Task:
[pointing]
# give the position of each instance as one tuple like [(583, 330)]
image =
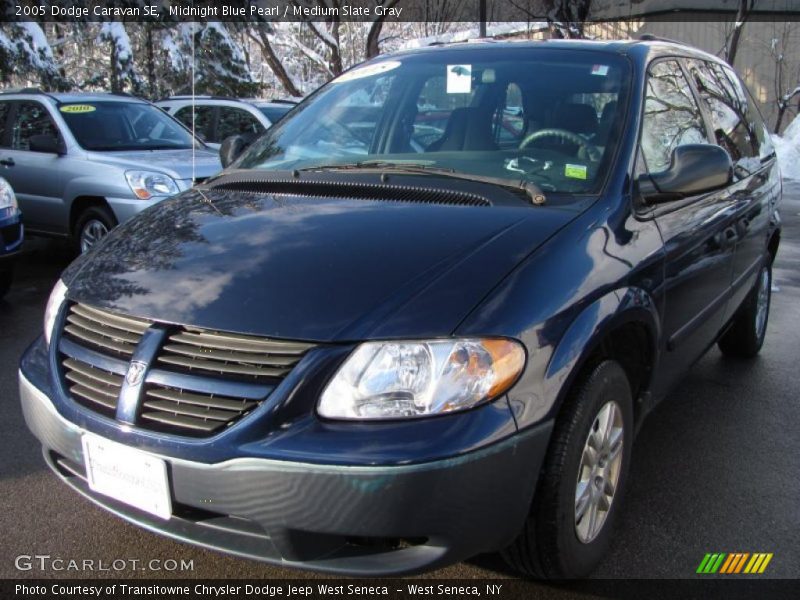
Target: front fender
[(583, 335), (108, 184)]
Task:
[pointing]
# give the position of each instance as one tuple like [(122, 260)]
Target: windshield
[(551, 117), (104, 126)]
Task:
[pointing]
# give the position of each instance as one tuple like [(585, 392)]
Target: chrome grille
[(93, 387), (103, 330), (231, 354), (200, 381), (203, 413)]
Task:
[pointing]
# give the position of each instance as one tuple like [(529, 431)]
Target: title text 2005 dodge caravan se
[(423, 316)]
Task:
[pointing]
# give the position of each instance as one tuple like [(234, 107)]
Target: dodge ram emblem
[(135, 372)]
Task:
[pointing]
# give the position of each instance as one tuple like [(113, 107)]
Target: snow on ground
[(788, 148)]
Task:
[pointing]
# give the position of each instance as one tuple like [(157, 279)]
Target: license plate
[(128, 475)]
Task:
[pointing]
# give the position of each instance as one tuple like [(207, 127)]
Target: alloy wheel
[(598, 472), (93, 231)]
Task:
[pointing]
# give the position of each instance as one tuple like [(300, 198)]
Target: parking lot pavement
[(715, 468)]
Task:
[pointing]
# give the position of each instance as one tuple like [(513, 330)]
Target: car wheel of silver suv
[(92, 226)]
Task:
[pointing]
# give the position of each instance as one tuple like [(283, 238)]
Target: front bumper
[(361, 520)]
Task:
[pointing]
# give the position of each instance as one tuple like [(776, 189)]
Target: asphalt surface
[(715, 469)]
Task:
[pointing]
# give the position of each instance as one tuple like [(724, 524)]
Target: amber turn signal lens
[(508, 360)]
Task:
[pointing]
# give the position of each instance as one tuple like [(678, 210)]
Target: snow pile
[(787, 147)]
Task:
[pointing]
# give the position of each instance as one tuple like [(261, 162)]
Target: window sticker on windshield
[(601, 70), (575, 171), (459, 79), (77, 108), (368, 71)]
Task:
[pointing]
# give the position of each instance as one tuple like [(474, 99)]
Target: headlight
[(7, 197), (54, 302), (146, 184), (395, 380)]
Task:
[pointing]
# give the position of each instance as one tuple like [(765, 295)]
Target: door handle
[(722, 239), (7, 162)]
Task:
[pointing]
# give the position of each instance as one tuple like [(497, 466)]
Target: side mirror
[(46, 143), (693, 169), (232, 148)]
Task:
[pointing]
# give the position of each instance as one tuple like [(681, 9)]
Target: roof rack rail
[(649, 37), (30, 90)]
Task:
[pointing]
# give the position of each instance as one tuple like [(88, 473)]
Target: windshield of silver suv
[(544, 116), (109, 126)]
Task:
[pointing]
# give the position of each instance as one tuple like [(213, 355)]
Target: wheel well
[(80, 204), (772, 245), (629, 344)]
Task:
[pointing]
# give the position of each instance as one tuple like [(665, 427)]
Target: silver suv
[(82, 163)]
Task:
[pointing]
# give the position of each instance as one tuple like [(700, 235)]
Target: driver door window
[(726, 109), (671, 116), (32, 119)]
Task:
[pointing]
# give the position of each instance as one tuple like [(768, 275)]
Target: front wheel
[(568, 530), (746, 334), (93, 225)]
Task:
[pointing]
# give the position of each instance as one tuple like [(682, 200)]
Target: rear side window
[(203, 120), (671, 115), (235, 121), (5, 108), (32, 119), (726, 103), (753, 115)]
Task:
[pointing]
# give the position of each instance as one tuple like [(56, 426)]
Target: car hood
[(175, 163), (311, 268)]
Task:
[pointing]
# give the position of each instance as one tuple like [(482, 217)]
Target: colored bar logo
[(733, 563)]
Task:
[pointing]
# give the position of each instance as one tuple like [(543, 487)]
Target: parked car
[(82, 163), (350, 355), (10, 235), (218, 117)]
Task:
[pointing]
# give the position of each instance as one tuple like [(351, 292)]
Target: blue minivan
[(423, 316)]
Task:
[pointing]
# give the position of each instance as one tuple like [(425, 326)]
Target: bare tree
[(373, 37), (565, 18), (259, 34), (732, 40), (787, 83)]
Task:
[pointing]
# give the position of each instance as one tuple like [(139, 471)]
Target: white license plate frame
[(127, 475)]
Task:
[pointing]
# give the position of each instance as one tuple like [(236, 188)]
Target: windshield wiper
[(533, 191)]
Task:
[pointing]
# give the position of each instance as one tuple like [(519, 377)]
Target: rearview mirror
[(46, 143), (232, 148), (693, 169)]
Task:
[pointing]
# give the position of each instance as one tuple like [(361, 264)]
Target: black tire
[(6, 278), (746, 334), (549, 546), (88, 219)]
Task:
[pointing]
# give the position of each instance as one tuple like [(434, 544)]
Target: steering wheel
[(591, 152)]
